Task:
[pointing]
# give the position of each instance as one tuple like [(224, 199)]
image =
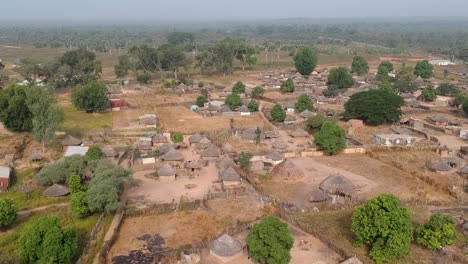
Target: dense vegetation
[(438, 232), (330, 138)]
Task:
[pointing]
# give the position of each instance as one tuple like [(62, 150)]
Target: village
[(112, 159)]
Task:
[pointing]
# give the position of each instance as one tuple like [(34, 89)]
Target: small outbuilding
[(195, 138), (159, 139), (166, 172), (226, 249), (299, 133), (287, 169), (280, 145), (173, 155), (5, 173), (145, 143), (71, 141), (337, 185), (318, 196), (56, 190), (36, 156), (164, 148), (229, 177)]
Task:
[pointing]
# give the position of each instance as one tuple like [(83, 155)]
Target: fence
[(108, 243), (92, 237)]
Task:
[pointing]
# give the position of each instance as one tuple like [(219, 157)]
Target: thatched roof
[(145, 143), (228, 148), (56, 190), (204, 141), (192, 164), (224, 162), (35, 156), (71, 141), (159, 138), (279, 144), (164, 148), (463, 171), (306, 114), (109, 151), (337, 185), (299, 133), (287, 168), (441, 166), (196, 138), (173, 155), (453, 161), (318, 196), (225, 246), (210, 153), (352, 260), (272, 134), (275, 156), (166, 170), (243, 109), (230, 174)]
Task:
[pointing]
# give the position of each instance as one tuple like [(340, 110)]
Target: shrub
[(438, 232), (238, 88), (8, 212), (340, 77), (429, 94), (200, 84), (253, 106), (74, 184), (314, 123), (201, 101), (94, 153), (277, 114), (331, 138), (244, 160), (233, 101), (257, 91), (177, 138), (359, 65), (143, 78), (305, 60), (79, 204), (423, 69), (287, 86), (90, 97), (304, 103), (447, 89)]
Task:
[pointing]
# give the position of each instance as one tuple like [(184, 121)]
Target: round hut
[(337, 185), (230, 177), (159, 139), (56, 190), (173, 156), (441, 166), (224, 162), (319, 196), (166, 172), (299, 133), (193, 165), (212, 152), (280, 145), (36, 156), (109, 151), (195, 138), (226, 249), (71, 141), (164, 148), (275, 157), (287, 169)]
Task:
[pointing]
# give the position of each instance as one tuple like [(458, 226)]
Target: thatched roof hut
[(56, 190), (196, 138), (173, 155), (288, 169), (228, 148), (306, 114), (71, 141), (193, 164), (225, 246), (159, 139), (212, 152), (352, 260), (109, 151), (36, 156), (318, 196), (164, 148), (279, 144), (224, 162), (441, 166), (166, 170), (299, 133), (337, 185), (275, 156), (145, 143), (230, 174), (272, 134), (463, 171)]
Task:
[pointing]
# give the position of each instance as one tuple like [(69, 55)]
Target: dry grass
[(181, 120)]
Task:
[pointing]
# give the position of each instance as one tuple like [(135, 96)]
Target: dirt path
[(24, 213)]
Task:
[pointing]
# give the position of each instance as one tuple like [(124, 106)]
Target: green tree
[(314, 123), (122, 68), (447, 89), (384, 226), (332, 91), (185, 40), (8, 212), (423, 69), (75, 185), (374, 107), (438, 232), (305, 60), (60, 171), (404, 81), (233, 101), (177, 138), (79, 66), (245, 53), (3, 77), (238, 88), (90, 97), (277, 114), (143, 78), (204, 92), (331, 138), (429, 94), (287, 86), (359, 65), (94, 153), (79, 204), (244, 160), (387, 65), (459, 99), (253, 106), (257, 92), (47, 241), (201, 101), (144, 58), (172, 58), (47, 115), (340, 77), (14, 110), (270, 241), (231, 123), (304, 103), (387, 86)]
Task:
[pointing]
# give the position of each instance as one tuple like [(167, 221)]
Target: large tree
[(47, 115), (438, 232), (424, 69), (429, 94), (340, 77), (270, 241), (79, 66), (385, 226), (277, 113), (288, 86), (447, 89), (304, 103), (79, 204), (314, 123), (245, 53), (144, 58), (238, 88), (359, 66), (257, 92), (14, 110), (374, 107), (90, 97), (3, 76), (8, 212), (385, 67), (233, 101), (331, 138), (122, 68), (47, 241), (172, 58), (404, 81), (305, 60)]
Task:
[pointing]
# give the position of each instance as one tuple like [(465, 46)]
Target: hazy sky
[(180, 10)]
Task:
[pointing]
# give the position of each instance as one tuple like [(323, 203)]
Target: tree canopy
[(374, 107), (277, 114), (79, 204), (423, 69), (201, 101), (438, 232), (14, 110), (253, 106), (404, 81), (60, 171), (270, 241), (172, 58), (384, 226), (94, 153), (257, 91), (429, 94), (288, 86), (447, 89), (79, 66), (8, 212), (304, 103), (340, 77), (359, 66), (305, 60), (238, 88), (233, 101), (314, 123), (331, 138), (90, 97)]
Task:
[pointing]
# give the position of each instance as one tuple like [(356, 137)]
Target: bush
[(8, 212), (74, 184), (253, 106), (277, 114), (304, 103), (305, 60), (48, 242), (331, 138), (201, 101), (340, 77), (314, 123), (374, 107), (287, 86), (177, 138), (244, 160), (238, 88), (90, 97), (200, 84), (438, 232), (332, 91), (465, 106), (429, 94), (270, 241), (383, 225), (14, 112), (233, 101), (257, 92), (423, 69), (79, 204), (59, 172), (94, 153), (143, 78), (359, 65), (447, 89)]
